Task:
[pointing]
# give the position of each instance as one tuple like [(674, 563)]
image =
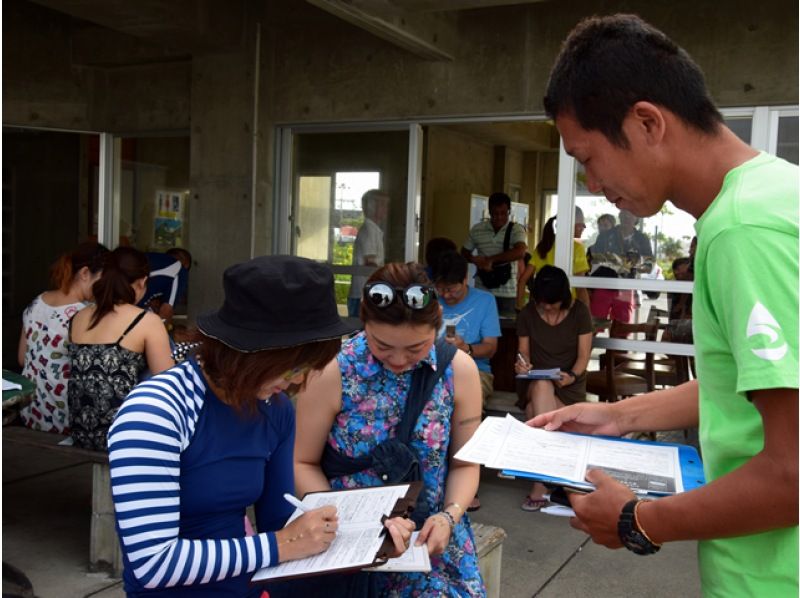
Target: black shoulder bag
[(500, 273), (394, 460)]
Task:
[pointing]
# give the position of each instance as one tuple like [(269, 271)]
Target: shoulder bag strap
[(422, 382), (507, 239)]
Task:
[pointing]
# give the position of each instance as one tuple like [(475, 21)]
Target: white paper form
[(537, 451), (509, 444), (485, 442), (640, 466), (416, 559), (358, 538)]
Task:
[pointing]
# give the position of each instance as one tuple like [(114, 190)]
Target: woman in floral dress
[(358, 402), (42, 351)]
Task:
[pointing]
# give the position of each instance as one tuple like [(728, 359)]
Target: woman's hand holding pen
[(309, 534), (400, 530), (521, 365)]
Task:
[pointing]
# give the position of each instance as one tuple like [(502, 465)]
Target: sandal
[(533, 504), (474, 505)]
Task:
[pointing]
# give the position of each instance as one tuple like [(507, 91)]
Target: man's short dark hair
[(370, 197), (607, 64), (499, 199), (551, 285), (450, 268)]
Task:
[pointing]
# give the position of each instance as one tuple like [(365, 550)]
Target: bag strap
[(507, 239), (423, 380)]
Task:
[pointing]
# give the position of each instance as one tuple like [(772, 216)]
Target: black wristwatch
[(632, 536), (469, 349), (573, 374)]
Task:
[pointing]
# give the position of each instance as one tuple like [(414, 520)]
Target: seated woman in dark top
[(554, 332), (111, 344)]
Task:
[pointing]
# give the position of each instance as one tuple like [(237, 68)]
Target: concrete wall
[(456, 166), (323, 70)]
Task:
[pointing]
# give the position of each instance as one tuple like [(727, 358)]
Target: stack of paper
[(563, 459)]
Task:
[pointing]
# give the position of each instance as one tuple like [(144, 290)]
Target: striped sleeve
[(154, 425)]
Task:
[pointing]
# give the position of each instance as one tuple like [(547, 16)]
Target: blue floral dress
[(373, 400)]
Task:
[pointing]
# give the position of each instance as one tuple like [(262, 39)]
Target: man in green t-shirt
[(633, 108)]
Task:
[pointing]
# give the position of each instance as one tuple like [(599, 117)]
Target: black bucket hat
[(273, 302)]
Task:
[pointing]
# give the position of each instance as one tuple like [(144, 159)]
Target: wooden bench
[(104, 550), (489, 545)]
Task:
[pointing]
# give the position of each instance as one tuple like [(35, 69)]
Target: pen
[(521, 358), (295, 503)]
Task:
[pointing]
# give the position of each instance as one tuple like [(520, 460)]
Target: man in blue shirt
[(167, 283), (469, 315)]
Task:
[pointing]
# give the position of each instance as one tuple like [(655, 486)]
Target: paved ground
[(47, 505)]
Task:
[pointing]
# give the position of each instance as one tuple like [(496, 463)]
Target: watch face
[(637, 543), (633, 539)]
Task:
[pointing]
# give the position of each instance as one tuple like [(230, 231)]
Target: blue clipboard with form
[(691, 469)]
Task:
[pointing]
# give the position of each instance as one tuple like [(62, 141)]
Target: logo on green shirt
[(760, 323)]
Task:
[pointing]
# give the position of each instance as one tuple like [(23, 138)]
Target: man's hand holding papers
[(583, 418)]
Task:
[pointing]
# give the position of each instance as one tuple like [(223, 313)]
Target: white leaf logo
[(762, 322)]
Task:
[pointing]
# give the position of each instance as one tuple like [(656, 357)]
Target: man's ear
[(648, 121)]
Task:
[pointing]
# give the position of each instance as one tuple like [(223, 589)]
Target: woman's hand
[(400, 529), (565, 379), (309, 534), (435, 533), (521, 368)]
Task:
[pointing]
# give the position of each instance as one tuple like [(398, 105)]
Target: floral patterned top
[(373, 400), (47, 364), (102, 376)]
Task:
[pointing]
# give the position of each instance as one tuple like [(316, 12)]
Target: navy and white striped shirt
[(184, 468)]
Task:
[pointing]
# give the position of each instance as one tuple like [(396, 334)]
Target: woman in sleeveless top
[(42, 349), (358, 402), (111, 344)]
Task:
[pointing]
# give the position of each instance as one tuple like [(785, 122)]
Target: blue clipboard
[(692, 474)]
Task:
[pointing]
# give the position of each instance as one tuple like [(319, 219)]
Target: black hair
[(551, 285), (499, 199), (401, 275), (370, 197), (88, 254), (548, 239), (123, 267), (437, 246), (607, 64), (450, 268)]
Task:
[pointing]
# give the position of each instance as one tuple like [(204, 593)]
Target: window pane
[(787, 138), (741, 126)]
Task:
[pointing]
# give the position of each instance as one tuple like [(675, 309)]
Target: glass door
[(338, 184)]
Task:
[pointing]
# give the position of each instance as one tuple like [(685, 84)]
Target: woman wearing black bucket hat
[(193, 447), (354, 427)]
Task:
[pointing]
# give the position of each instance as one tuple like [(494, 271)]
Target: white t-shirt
[(369, 241)]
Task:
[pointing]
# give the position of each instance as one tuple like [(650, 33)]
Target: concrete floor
[(47, 504)]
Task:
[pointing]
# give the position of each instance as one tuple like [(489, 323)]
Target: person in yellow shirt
[(545, 254)]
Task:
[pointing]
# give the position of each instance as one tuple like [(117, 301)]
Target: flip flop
[(533, 504), (475, 504)]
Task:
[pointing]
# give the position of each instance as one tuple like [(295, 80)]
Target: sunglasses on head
[(414, 296)]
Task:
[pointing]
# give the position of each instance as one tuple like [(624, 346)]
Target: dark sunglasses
[(415, 296)]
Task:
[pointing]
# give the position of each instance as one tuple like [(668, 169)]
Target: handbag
[(500, 273), (394, 460)]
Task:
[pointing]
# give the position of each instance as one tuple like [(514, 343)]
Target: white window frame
[(764, 137)]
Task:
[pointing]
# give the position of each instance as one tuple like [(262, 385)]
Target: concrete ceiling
[(523, 136)]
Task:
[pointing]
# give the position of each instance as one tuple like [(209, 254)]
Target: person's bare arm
[(760, 495), (317, 407), (581, 362), (462, 479), (157, 351), (670, 409), (582, 295), (485, 349)]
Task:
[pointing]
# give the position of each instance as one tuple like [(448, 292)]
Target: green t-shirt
[(746, 338)]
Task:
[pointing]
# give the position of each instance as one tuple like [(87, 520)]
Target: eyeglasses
[(415, 296), (289, 374)]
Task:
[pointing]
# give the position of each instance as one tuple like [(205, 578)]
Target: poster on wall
[(169, 218)]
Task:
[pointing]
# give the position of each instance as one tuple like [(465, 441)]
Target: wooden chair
[(668, 370), (613, 382)]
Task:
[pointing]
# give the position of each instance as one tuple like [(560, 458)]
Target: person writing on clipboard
[(632, 107), (554, 332)]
